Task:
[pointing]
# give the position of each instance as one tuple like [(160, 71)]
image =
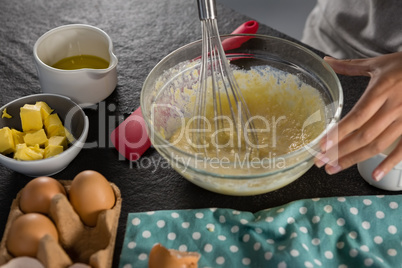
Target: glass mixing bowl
[(164, 104)]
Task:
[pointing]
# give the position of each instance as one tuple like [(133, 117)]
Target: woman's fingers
[(363, 134), (355, 67), (353, 128), (375, 121), (378, 145), (392, 160), (362, 111)]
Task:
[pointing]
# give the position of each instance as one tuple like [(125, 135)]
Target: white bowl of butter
[(287, 86), (55, 147)]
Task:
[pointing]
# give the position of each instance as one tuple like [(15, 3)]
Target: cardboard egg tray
[(78, 243)]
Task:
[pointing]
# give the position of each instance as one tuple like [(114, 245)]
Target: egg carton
[(78, 243)]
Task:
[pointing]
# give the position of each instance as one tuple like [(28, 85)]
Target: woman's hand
[(374, 123)]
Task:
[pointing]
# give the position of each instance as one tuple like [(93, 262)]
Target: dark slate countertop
[(143, 32)]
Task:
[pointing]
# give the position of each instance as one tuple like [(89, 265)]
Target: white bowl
[(84, 86), (392, 181), (74, 120)]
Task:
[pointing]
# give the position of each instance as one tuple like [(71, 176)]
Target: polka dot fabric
[(363, 231)]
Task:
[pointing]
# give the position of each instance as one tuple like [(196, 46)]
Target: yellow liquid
[(284, 109), (80, 62)]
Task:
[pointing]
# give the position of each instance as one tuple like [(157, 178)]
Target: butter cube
[(52, 150), (20, 151), (35, 138), (6, 141), (45, 109), (69, 136), (37, 149), (18, 136), (5, 114), (31, 117), (57, 141), (54, 126), (25, 153)]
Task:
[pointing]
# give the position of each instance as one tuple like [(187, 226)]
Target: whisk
[(217, 87)]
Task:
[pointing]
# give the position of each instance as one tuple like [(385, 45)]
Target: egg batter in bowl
[(293, 96), (281, 109)]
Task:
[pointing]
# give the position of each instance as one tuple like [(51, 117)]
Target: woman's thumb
[(355, 67)]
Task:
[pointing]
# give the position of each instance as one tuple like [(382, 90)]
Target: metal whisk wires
[(233, 129)]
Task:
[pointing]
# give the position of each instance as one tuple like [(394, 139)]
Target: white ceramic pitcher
[(84, 86)]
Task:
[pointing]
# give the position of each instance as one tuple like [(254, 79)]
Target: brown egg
[(37, 194), (161, 257), (25, 233), (90, 194)]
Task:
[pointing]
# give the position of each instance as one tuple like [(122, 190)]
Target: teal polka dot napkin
[(358, 231)]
